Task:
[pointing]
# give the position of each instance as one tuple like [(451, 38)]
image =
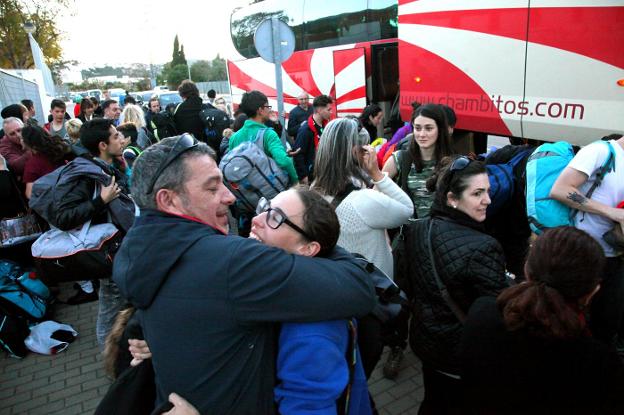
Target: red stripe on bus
[(566, 28)]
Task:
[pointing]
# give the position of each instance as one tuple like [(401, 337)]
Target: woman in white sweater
[(367, 203), (345, 168)]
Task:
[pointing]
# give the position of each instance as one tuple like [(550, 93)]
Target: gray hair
[(173, 177), (9, 120), (336, 164)]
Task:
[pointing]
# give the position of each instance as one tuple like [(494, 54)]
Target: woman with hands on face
[(367, 203)]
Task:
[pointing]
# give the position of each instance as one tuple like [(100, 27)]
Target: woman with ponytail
[(530, 351)]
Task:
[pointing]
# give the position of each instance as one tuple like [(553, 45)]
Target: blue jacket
[(209, 302), (313, 371)]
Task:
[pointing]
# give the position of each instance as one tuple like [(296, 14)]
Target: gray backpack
[(250, 173)]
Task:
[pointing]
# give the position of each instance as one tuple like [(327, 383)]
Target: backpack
[(42, 196), (163, 126), (543, 168), (250, 173), (215, 121), (20, 294), (503, 181)]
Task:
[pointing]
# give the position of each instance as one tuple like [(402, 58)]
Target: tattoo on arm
[(577, 198)]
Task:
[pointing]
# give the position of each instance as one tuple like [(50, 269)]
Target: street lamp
[(29, 27)]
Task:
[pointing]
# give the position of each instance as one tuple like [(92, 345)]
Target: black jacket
[(187, 119), (515, 373), (209, 307), (304, 160), (74, 203), (296, 117), (469, 262)]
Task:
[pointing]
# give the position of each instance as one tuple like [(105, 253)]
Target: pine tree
[(181, 56), (176, 52)]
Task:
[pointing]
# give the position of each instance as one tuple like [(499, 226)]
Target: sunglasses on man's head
[(276, 217), (184, 143)]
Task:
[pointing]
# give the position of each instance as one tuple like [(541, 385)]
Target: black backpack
[(163, 125), (215, 121)]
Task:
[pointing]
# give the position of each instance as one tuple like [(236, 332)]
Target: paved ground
[(73, 381)]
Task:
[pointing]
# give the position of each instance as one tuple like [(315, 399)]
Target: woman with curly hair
[(48, 153)]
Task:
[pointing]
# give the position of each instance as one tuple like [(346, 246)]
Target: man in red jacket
[(11, 146)]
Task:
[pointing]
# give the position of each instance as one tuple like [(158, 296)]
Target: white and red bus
[(539, 69)]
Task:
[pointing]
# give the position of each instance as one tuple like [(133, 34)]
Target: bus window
[(382, 19), (334, 23), (244, 22)]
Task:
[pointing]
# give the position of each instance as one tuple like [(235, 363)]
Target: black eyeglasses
[(460, 163), (184, 143), (267, 106), (275, 217)]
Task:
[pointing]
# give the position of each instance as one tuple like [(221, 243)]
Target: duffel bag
[(80, 254)]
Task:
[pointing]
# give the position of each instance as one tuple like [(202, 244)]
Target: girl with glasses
[(312, 368)]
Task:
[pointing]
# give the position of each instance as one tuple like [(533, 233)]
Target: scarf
[(312, 126)]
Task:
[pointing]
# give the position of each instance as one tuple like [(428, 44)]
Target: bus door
[(349, 81)]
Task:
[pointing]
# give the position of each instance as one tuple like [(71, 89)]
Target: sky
[(142, 31)]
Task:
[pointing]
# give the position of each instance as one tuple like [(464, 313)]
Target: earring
[(454, 206)]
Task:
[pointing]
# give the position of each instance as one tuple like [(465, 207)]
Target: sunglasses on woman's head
[(460, 163)]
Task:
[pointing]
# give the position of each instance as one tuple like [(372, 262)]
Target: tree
[(182, 58), (178, 57), (14, 46), (176, 75), (218, 71), (138, 70), (201, 71)]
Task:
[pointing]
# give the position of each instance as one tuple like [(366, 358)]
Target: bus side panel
[(349, 81), (472, 60), (573, 65), (311, 71)]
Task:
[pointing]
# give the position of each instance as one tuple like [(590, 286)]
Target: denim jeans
[(110, 304)]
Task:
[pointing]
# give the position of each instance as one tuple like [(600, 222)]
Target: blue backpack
[(503, 182), (20, 295), (542, 170)]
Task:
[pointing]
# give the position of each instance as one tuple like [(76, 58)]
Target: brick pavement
[(73, 382)]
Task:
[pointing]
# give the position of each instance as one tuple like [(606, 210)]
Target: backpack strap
[(343, 195), (461, 316), (342, 403), (403, 162), (259, 140), (607, 167)]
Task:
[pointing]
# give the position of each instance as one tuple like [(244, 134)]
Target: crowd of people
[(281, 317)]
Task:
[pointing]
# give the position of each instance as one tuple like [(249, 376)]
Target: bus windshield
[(318, 25)]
